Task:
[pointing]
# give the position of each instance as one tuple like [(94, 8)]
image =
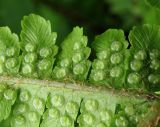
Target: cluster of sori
[(72, 61), (144, 62), (62, 109), (36, 55), (96, 112), (136, 65), (7, 99), (9, 52), (29, 107), (37, 106), (110, 66), (154, 77)]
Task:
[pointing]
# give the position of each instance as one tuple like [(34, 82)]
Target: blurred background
[(95, 16)]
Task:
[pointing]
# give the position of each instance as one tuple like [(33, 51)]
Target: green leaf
[(8, 40), (37, 30), (74, 52), (37, 38), (109, 68), (144, 61), (154, 3), (9, 52)]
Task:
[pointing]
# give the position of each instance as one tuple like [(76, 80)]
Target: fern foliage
[(44, 85)]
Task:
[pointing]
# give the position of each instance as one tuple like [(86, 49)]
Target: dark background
[(95, 16)]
